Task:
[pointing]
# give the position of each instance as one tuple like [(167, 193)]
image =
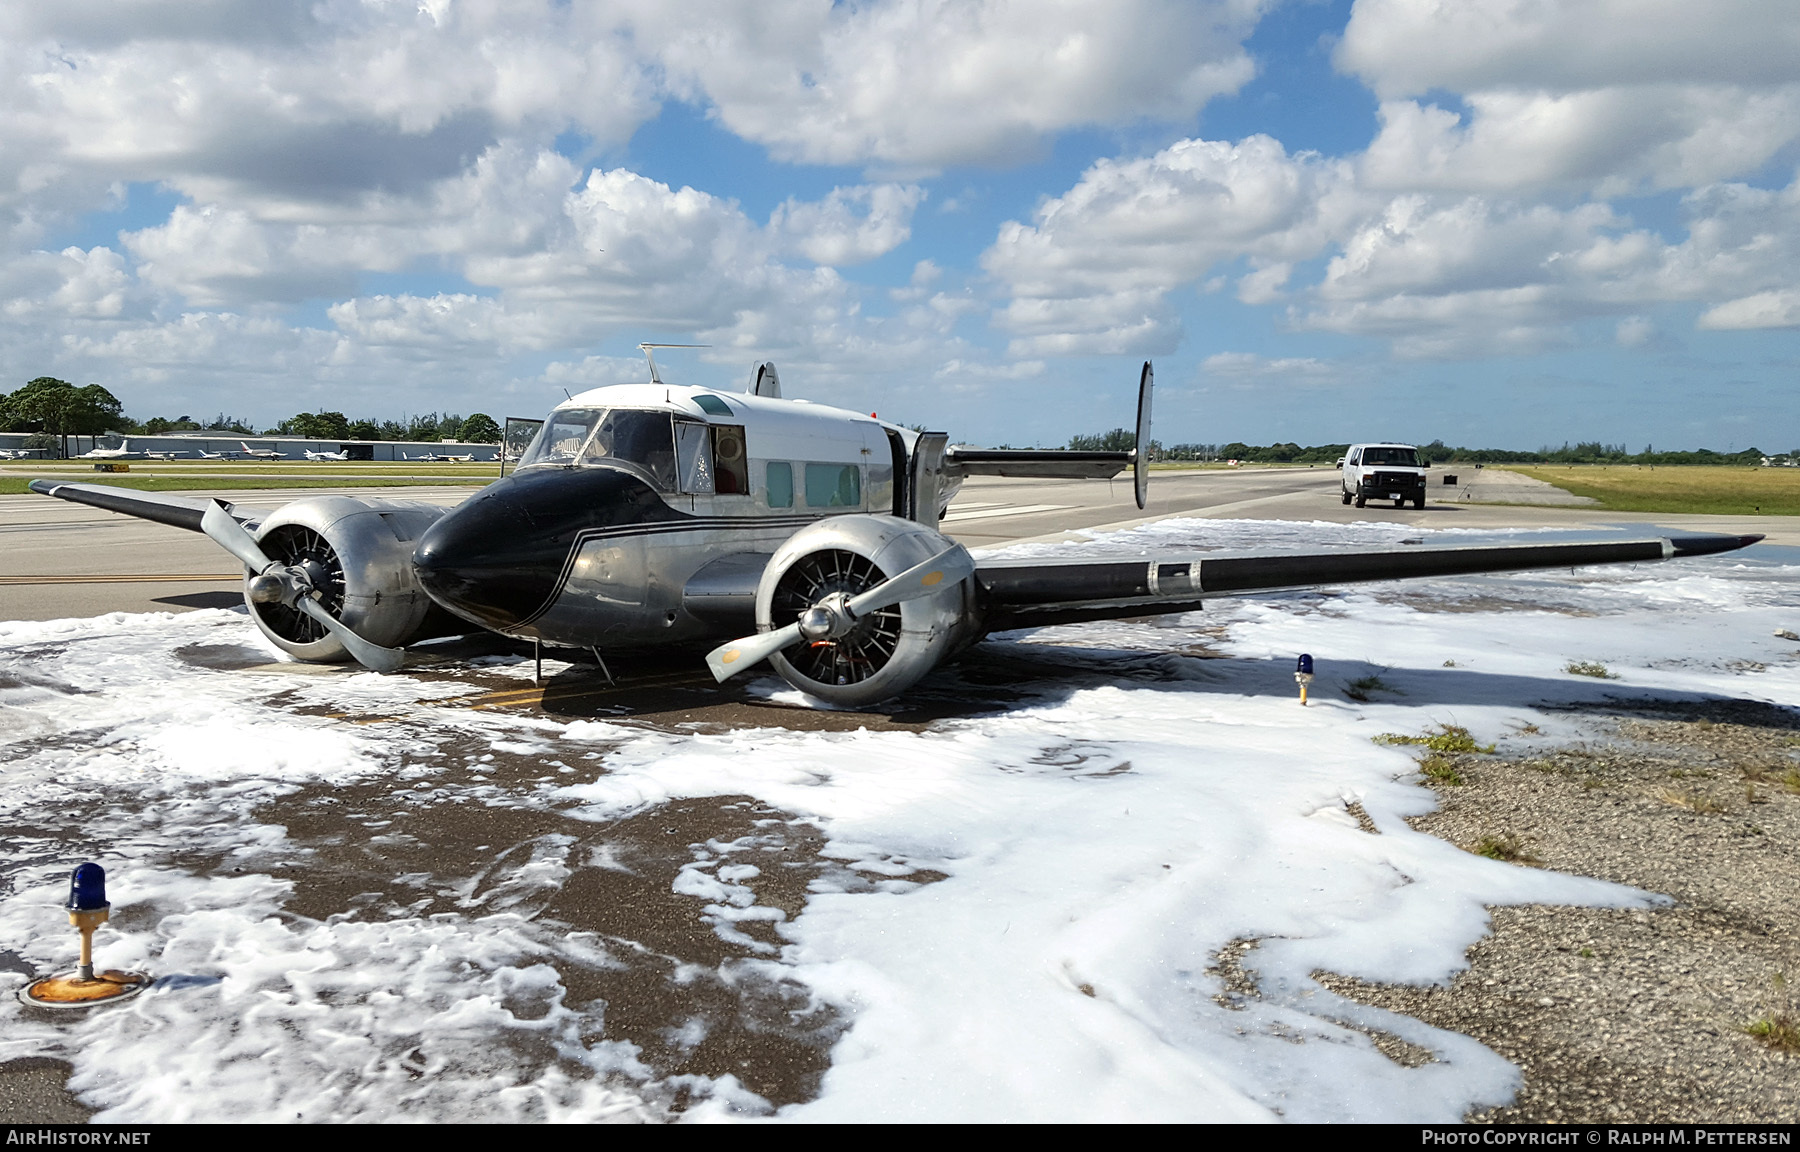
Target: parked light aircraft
[(650, 514), (338, 455), (170, 455), (123, 452), (261, 453)]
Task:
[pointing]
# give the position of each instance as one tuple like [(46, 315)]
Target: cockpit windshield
[(1393, 457), (578, 436)]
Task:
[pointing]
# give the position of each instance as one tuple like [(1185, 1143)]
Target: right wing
[(1035, 593)]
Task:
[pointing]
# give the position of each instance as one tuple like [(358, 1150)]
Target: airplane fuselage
[(643, 514)]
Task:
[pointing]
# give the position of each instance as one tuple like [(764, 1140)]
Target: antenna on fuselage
[(651, 356)]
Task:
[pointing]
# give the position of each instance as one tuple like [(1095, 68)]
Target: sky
[(1499, 222)]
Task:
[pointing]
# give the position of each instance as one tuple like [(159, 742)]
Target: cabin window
[(694, 448), (833, 486), (778, 481), (731, 469), (711, 405)]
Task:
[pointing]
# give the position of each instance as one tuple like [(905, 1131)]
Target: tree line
[(53, 410), (1587, 452)]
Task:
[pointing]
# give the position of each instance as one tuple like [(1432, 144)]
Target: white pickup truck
[(1384, 472)]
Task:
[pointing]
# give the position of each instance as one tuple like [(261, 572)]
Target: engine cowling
[(888, 650), (360, 558)]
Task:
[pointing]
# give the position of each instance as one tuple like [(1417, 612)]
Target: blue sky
[(1492, 222)]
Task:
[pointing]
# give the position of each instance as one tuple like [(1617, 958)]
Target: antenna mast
[(650, 355)]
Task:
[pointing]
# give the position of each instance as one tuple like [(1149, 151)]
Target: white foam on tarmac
[(1099, 844)]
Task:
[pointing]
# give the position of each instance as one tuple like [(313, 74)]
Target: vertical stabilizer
[(764, 381), (1140, 463)]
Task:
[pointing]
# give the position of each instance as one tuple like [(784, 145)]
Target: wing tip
[(1713, 544)]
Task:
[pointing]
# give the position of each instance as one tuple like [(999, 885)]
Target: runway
[(60, 560)]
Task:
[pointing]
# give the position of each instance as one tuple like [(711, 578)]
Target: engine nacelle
[(360, 558), (889, 650)]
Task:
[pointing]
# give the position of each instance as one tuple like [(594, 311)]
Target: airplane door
[(925, 483), (902, 478)]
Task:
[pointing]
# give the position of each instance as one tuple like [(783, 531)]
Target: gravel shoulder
[(1634, 1015)]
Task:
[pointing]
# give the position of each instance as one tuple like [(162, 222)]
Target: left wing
[(175, 511), (1034, 593)]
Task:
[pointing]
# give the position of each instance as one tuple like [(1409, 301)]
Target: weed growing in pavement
[(1359, 689), (1587, 953), (1505, 847), (1692, 801), (1791, 780), (1447, 738), (1439, 770), (1590, 668), (1779, 1031), (1778, 1027)]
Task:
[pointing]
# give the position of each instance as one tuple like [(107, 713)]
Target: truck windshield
[(1394, 457), (586, 436)]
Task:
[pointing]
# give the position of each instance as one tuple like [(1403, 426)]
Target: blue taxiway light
[(87, 889)]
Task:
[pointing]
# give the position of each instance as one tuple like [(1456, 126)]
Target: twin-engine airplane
[(645, 515)]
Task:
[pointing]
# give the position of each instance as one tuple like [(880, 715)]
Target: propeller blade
[(228, 534), (371, 656), (951, 566), (727, 660)]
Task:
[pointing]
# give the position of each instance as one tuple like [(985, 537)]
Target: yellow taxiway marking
[(123, 578)]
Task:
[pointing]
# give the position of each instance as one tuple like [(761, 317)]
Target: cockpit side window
[(643, 438), (560, 440)]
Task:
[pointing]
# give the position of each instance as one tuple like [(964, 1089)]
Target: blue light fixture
[(87, 889)]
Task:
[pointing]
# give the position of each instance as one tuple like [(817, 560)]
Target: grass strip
[(1699, 488)]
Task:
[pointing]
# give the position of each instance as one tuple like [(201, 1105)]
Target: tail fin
[(1140, 463), (765, 382)]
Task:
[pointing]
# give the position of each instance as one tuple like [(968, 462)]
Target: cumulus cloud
[(1780, 309), (920, 84), (1093, 270), (851, 225), (1611, 94), (1244, 369)]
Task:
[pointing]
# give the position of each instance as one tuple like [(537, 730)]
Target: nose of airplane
[(498, 558)]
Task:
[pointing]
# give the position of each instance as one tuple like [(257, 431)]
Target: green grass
[(1711, 489), (16, 485), (1590, 668)]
